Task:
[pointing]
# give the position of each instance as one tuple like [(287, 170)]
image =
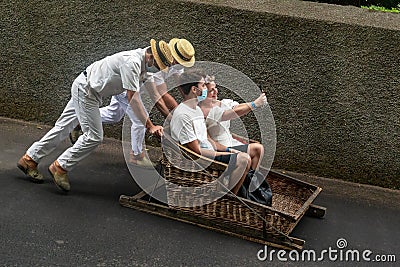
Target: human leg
[(239, 165), (112, 113), (66, 122), (115, 111), (89, 118), (255, 151), (87, 104), (238, 175), (138, 132)]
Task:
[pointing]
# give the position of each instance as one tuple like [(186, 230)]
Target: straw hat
[(161, 54), (182, 51)]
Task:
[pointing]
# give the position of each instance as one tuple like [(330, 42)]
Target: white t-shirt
[(187, 124), (113, 74), (219, 130), (158, 78), (161, 76)]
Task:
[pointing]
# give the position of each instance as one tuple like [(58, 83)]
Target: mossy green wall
[(333, 87)]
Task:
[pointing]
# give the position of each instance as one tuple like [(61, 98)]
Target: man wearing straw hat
[(183, 56), (108, 76)]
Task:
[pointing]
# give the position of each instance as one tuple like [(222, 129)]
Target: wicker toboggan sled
[(292, 199)]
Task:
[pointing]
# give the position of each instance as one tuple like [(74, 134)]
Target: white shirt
[(116, 73), (187, 124), (218, 129), (161, 76), (158, 78)]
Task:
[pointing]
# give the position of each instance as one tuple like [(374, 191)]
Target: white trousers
[(114, 113), (83, 108)]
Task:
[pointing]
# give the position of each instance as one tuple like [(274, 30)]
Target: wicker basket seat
[(228, 213)]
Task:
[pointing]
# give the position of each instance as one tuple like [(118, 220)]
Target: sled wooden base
[(136, 202), (140, 202), (316, 211), (209, 205)]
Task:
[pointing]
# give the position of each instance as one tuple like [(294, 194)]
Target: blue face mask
[(203, 95), (151, 69)]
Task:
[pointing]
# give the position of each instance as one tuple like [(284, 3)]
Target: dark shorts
[(242, 148), (229, 159)]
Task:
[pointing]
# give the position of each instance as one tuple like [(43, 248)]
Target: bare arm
[(243, 109), (169, 101), (157, 98), (217, 146), (195, 147), (236, 112)]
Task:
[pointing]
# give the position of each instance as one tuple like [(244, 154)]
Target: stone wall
[(332, 72)]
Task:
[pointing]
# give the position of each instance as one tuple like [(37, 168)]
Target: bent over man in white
[(109, 76)]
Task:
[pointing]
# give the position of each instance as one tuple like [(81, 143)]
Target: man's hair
[(190, 78), (209, 79)]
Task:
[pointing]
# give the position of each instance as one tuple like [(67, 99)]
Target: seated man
[(218, 115), (188, 127)]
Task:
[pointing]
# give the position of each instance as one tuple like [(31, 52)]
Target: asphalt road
[(39, 226)]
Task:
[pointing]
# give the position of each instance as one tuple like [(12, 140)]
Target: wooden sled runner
[(230, 214)]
